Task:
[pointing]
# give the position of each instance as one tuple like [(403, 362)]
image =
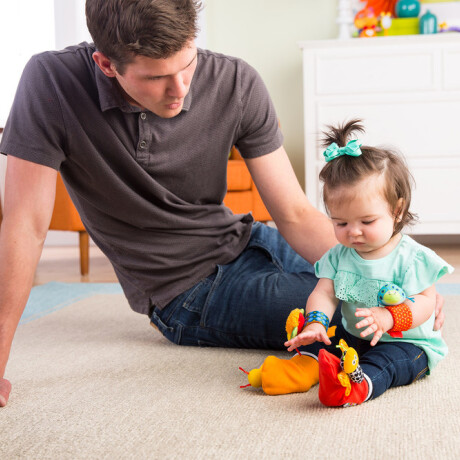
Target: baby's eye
[(368, 222), (341, 224)]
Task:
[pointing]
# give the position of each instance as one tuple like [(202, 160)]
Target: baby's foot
[(333, 390)]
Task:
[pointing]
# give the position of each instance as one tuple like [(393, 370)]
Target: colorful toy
[(351, 370), (282, 376), (392, 294), (428, 23), (295, 322), (366, 22), (443, 27), (341, 381), (407, 8), (380, 6), (385, 22), (393, 297)]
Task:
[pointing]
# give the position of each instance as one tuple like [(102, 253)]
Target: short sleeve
[(326, 267), (35, 130), (259, 132), (426, 268)]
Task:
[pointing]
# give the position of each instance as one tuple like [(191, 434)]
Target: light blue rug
[(448, 289), (50, 297)]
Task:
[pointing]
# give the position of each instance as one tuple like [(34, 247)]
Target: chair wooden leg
[(84, 253)]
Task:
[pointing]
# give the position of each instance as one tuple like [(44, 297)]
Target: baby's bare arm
[(321, 299)]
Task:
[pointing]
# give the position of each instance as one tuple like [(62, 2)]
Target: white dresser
[(407, 91)]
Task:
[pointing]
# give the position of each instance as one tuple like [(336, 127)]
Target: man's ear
[(399, 209), (104, 63)]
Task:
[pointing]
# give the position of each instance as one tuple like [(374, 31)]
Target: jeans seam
[(420, 374), (162, 326), (178, 332), (259, 244), (192, 296), (210, 294), (387, 366), (423, 371)]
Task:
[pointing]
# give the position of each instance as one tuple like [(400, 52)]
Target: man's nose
[(177, 86)]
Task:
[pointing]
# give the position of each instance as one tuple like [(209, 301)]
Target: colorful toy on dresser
[(394, 17)]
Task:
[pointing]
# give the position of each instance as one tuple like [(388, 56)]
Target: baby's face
[(363, 219)]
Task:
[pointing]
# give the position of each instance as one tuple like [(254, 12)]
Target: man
[(140, 126)]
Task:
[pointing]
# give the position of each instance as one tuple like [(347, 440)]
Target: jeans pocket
[(267, 252), (193, 301), (214, 285)]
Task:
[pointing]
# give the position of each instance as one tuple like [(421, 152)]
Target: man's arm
[(306, 229), (29, 199)]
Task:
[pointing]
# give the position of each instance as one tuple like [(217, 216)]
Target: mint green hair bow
[(334, 151)]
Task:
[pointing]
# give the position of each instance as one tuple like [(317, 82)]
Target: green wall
[(265, 33)]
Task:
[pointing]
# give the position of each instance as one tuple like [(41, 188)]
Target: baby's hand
[(378, 320), (314, 332)]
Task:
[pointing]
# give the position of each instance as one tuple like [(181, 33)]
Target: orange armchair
[(65, 217), (242, 197)]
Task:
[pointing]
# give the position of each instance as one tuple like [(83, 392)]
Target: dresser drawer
[(365, 72)]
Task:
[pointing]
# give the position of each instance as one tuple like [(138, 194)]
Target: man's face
[(159, 85)]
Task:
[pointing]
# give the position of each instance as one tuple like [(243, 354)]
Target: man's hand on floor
[(5, 388)]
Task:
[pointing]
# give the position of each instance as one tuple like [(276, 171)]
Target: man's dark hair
[(123, 29)]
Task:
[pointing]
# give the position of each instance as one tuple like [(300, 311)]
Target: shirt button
[(142, 144), (143, 116)]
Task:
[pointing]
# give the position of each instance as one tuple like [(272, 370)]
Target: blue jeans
[(387, 364), (245, 303)]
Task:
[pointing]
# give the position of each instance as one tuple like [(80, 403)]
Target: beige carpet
[(95, 381)]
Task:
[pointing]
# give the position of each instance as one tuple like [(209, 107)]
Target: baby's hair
[(349, 170)]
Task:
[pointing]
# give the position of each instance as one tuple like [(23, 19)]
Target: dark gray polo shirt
[(149, 190)]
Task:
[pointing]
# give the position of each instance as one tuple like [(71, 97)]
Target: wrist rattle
[(392, 297), (317, 317), (402, 317)]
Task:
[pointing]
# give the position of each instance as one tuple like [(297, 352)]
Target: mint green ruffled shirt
[(357, 281)]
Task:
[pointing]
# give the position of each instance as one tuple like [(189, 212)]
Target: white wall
[(29, 27), (70, 23), (26, 28)]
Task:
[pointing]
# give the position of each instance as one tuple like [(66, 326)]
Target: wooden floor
[(62, 264)]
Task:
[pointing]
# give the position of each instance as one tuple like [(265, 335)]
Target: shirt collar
[(111, 97)]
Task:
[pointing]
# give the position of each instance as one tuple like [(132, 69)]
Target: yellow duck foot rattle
[(341, 381), (283, 376)]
